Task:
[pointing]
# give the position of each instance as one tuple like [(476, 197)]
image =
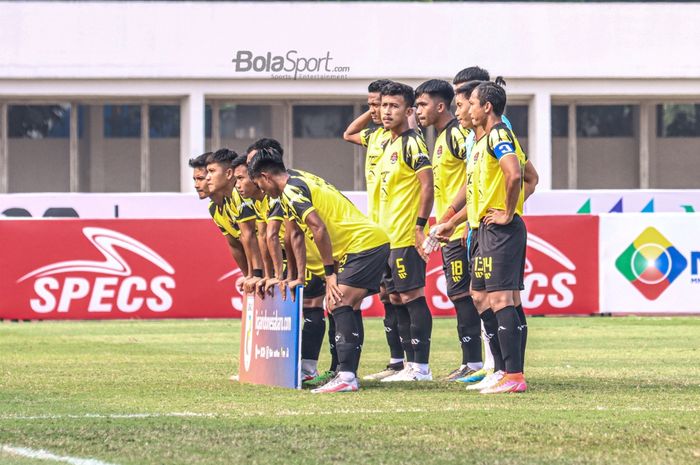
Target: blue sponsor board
[(271, 340)]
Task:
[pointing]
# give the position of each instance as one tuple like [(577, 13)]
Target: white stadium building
[(117, 96)]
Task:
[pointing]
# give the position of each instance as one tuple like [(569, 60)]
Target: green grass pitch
[(602, 391)]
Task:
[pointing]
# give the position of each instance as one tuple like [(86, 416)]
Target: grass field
[(602, 391)]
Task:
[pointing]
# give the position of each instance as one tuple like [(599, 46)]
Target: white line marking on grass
[(358, 411), (45, 455)]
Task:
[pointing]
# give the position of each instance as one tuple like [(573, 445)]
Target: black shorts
[(364, 269), (456, 268), (498, 263), (314, 286), (407, 270)]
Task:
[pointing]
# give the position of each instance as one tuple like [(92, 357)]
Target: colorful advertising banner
[(271, 340), (650, 263)]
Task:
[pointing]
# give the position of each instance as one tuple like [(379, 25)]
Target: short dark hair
[(473, 73), (240, 160), (398, 88), (267, 159), (224, 157), (378, 85), (265, 143), (200, 161), (468, 88), (494, 93), (437, 88)]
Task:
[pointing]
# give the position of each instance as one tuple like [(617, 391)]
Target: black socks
[(491, 329), (312, 333), (391, 327), (404, 324), (468, 330), (523, 327), (421, 328), (509, 336), (347, 338)]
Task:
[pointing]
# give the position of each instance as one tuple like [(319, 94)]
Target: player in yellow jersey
[(499, 255), (353, 250), (405, 203), (433, 101), (493, 360), (367, 130), (235, 214), (271, 218), (231, 233)]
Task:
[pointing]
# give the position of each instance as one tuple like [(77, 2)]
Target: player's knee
[(413, 294), (499, 300), (395, 298)]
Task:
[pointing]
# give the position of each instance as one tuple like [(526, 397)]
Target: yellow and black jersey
[(267, 210), (261, 209), (374, 139), (241, 209), (399, 199), (314, 263), (349, 230), (449, 169), (231, 212), (490, 187), (222, 218), (472, 171)]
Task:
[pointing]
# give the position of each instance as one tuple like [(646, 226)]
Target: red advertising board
[(561, 272), (109, 269)]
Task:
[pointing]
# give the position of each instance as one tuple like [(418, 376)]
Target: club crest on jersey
[(394, 157)]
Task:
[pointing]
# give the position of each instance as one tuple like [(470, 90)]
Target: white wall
[(198, 40)]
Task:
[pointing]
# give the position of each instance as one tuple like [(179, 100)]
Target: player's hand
[(270, 285), (334, 295), (465, 235), (239, 283), (250, 283), (260, 287), (494, 216), (420, 239), (292, 285), (443, 231)]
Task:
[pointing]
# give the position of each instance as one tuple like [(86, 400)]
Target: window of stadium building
[(239, 125), (674, 161), (110, 151), (38, 148), (607, 147), (318, 142)]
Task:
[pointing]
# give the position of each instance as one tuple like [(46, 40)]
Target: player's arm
[(238, 253), (252, 251), (268, 267), (513, 179), (425, 206), (445, 229), (354, 131), (530, 179), (294, 237), (325, 248), (274, 247)]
